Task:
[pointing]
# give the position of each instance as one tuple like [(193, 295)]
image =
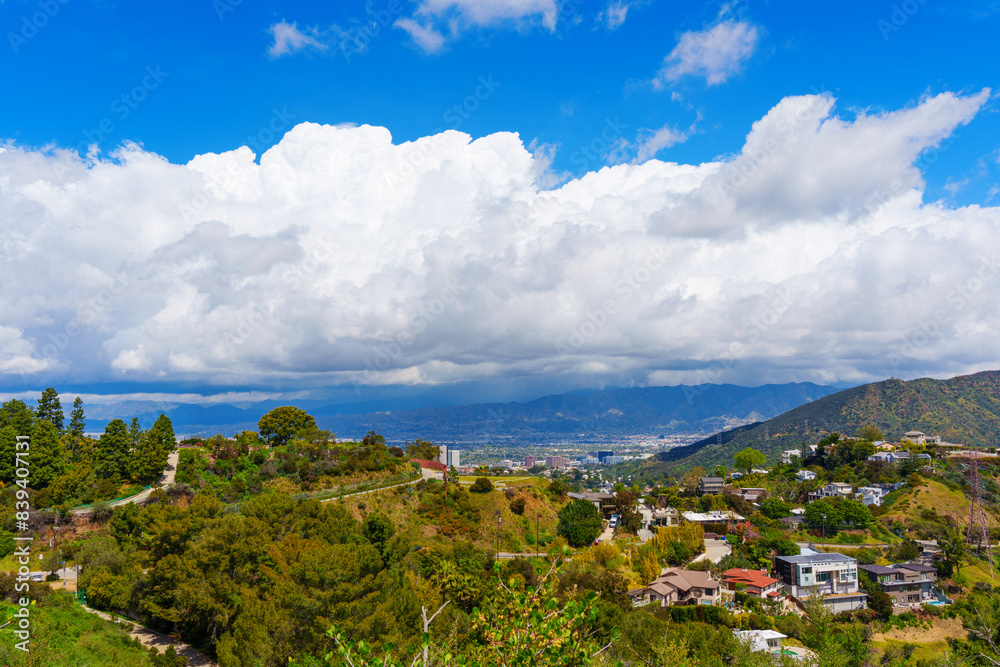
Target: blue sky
[(584, 85)]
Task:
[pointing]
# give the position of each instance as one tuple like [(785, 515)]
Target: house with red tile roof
[(752, 582)]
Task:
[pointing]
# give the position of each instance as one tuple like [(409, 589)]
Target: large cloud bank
[(344, 258)]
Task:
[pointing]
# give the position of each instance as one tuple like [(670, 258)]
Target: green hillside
[(964, 409)]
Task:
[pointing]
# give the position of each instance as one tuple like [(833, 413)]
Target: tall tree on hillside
[(18, 415), (77, 422), (47, 456), (279, 425), (579, 523), (748, 459), (134, 431), (49, 408), (112, 456), (150, 456), (8, 445)]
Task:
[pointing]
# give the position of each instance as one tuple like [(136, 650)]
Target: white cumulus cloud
[(714, 54), (344, 258)]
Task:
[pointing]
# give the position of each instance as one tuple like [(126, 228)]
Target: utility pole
[(498, 534), (536, 534)]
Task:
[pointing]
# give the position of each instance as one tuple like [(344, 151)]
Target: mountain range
[(962, 410), (596, 415)]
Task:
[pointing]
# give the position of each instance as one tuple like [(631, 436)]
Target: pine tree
[(49, 408), (47, 460), (112, 456), (150, 456), (77, 421)]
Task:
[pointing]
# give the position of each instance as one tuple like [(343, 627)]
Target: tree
[(871, 433), (579, 523), (17, 415), (481, 485), (626, 507), (134, 431), (421, 449), (149, 458), (379, 530), (279, 425), (775, 508), (878, 600), (748, 459), (112, 455), (47, 459), (77, 422), (823, 513), (49, 408), (719, 471)]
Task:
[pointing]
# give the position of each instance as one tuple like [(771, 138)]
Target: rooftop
[(817, 558)]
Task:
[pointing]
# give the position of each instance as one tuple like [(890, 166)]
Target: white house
[(832, 490), (788, 455), (870, 495), (831, 576), (805, 475), (761, 640)]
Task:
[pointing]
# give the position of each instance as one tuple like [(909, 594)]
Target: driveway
[(715, 550)]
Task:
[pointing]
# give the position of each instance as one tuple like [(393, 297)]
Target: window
[(708, 592), (822, 576), (807, 570)]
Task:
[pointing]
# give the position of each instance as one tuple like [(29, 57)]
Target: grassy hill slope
[(964, 409)]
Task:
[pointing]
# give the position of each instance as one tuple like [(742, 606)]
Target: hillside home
[(710, 486), (870, 495), (832, 490), (916, 437), (789, 454), (752, 582), (653, 517), (676, 586), (762, 640), (833, 577), (751, 495), (805, 475), (727, 517), (604, 502), (905, 583)]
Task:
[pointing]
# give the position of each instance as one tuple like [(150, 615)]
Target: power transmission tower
[(978, 533)]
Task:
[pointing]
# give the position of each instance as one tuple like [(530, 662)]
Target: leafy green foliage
[(49, 409), (279, 425), (481, 485), (421, 449), (749, 458), (579, 523)]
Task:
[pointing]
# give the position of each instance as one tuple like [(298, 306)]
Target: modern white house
[(832, 490), (789, 454), (831, 576), (805, 475)]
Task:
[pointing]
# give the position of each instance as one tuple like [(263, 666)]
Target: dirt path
[(149, 637), (166, 479)]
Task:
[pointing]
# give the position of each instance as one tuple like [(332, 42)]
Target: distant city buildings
[(454, 458), (556, 461)]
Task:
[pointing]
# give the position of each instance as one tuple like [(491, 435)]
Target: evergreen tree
[(134, 431), (8, 445), (47, 459), (149, 458), (112, 456), (77, 421), (49, 408), (17, 415)]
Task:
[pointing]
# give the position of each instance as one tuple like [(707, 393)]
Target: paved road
[(715, 550), (166, 479), (149, 637)]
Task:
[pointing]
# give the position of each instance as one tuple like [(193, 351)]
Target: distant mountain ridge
[(602, 414), (963, 410)]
